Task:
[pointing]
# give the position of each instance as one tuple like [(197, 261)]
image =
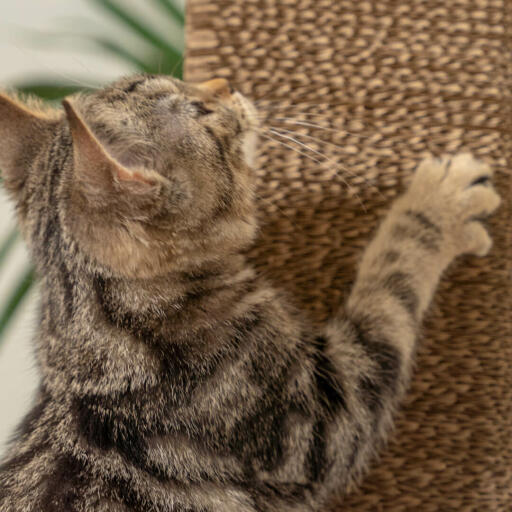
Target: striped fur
[(172, 377)]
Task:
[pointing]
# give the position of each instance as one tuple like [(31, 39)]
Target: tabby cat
[(172, 377)]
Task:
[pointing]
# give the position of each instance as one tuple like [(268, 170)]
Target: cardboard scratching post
[(394, 80)]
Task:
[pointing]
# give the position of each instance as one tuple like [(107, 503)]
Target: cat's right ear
[(23, 131)]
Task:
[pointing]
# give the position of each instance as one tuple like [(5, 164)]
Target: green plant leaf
[(122, 53), (163, 66), (15, 299), (148, 34), (48, 90), (175, 11), (7, 245)]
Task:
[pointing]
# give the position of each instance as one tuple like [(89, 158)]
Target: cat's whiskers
[(317, 139), (311, 137), (316, 160), (313, 123), (302, 144), (309, 124), (292, 109), (327, 159), (303, 153), (265, 111), (289, 146), (296, 109), (319, 153), (305, 114), (283, 104)]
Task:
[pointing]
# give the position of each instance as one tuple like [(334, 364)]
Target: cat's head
[(145, 176)]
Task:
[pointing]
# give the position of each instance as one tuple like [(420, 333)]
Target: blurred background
[(54, 48)]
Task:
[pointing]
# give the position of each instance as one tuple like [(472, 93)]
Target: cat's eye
[(201, 108)]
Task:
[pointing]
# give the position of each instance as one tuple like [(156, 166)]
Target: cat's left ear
[(98, 172), (23, 132)]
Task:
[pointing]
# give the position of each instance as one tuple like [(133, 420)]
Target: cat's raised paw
[(457, 194)]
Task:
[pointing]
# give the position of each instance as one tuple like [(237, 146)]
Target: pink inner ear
[(125, 175), (92, 159)]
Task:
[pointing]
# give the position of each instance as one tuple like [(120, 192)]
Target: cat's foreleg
[(372, 343)]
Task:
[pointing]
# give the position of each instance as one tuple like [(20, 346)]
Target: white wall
[(22, 56)]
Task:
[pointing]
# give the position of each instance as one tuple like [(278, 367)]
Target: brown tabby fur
[(172, 377)]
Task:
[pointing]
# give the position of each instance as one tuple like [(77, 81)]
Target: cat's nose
[(218, 87)]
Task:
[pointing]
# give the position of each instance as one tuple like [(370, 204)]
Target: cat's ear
[(23, 131), (98, 171)]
